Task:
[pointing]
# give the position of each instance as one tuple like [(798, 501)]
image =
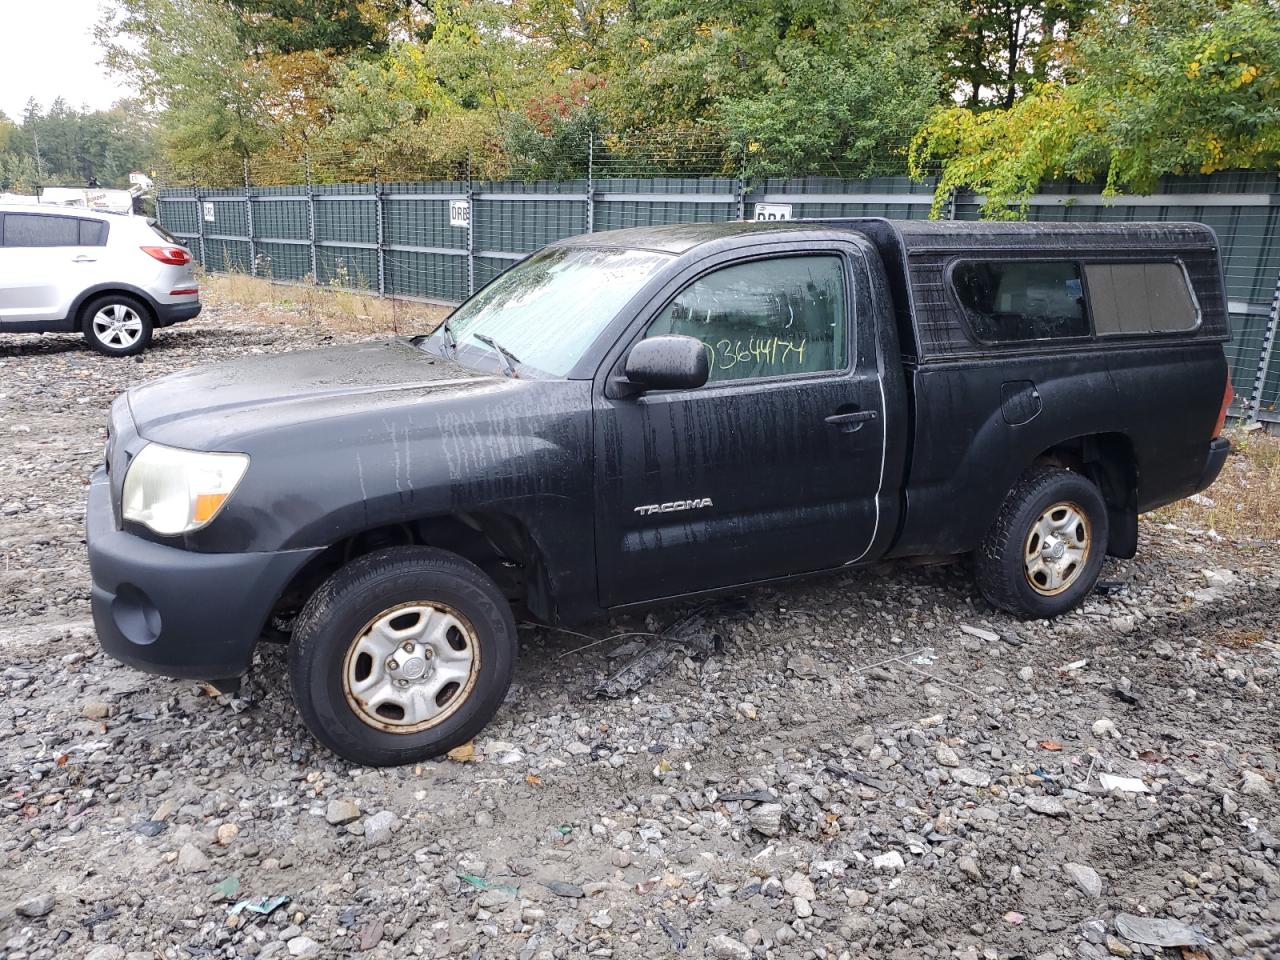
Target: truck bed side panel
[(966, 456)]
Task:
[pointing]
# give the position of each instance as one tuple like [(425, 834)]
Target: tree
[(333, 27), (798, 82), (1164, 87), (187, 59), (998, 49)]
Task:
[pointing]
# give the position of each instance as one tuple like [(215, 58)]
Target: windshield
[(549, 309)]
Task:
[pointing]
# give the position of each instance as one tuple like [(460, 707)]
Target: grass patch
[(1245, 501), (320, 307)]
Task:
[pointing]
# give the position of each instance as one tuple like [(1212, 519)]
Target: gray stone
[(1254, 784), (341, 812), (191, 859), (1047, 806), (798, 885), (1084, 877), (969, 867), (303, 946), (37, 906), (724, 947), (108, 951), (766, 818), (971, 777), (562, 888), (946, 756), (377, 829)]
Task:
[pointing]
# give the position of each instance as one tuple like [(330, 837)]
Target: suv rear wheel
[(117, 324), (402, 655), (1043, 554)]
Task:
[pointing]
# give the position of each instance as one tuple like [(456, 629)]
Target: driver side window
[(766, 318)]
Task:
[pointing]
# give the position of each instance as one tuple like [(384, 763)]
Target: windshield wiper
[(509, 359), (450, 341)]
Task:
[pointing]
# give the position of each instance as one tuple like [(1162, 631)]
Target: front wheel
[(117, 324), (402, 655), (1043, 554)]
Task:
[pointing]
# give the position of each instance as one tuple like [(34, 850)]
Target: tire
[(117, 324), (346, 679), (1018, 567)]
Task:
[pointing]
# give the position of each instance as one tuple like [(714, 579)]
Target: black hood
[(208, 408)]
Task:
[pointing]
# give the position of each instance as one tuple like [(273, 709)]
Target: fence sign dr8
[(459, 213), (773, 211)]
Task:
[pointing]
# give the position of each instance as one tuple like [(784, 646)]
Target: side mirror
[(668, 363)]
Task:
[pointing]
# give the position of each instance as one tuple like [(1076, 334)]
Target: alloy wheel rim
[(1057, 548), (117, 326), (411, 667)]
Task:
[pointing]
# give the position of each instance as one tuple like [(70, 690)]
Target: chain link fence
[(441, 239)]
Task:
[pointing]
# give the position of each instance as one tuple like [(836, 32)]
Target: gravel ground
[(875, 765)]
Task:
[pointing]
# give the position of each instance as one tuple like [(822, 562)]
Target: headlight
[(176, 491)]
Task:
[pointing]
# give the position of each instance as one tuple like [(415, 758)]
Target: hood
[(207, 407)]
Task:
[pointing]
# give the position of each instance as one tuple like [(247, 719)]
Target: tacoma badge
[(673, 506)]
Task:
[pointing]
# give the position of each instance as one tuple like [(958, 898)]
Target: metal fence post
[(471, 232), (195, 189), (591, 183), (740, 185), (1264, 358), (248, 209), (311, 219), (382, 261)]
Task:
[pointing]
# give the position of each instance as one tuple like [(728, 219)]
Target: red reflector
[(1227, 396), (175, 256), (185, 291)]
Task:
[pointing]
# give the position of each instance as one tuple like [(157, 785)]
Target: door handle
[(851, 421), (84, 259)]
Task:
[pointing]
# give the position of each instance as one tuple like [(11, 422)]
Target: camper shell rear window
[(1008, 301)]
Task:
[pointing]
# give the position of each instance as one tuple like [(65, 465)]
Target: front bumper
[(1219, 447), (171, 313), (176, 612)]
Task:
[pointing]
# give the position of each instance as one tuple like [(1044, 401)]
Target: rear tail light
[(174, 256), (1227, 396), (184, 291)]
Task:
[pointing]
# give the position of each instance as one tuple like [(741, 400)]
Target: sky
[(47, 51)]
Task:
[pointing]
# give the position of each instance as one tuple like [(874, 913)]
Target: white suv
[(112, 277)]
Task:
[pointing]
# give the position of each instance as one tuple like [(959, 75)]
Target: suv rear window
[(1009, 301), (164, 234), (1140, 298), (40, 230)]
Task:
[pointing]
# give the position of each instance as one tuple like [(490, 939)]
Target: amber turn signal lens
[(207, 505)]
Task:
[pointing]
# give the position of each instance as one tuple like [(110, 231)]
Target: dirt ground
[(875, 765)]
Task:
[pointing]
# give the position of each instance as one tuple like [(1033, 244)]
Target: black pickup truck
[(638, 416)]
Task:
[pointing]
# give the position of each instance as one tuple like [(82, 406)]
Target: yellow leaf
[(465, 753)]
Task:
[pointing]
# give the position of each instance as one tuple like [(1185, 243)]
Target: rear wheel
[(402, 655), (117, 324), (1043, 554)]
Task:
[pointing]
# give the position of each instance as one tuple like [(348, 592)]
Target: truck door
[(774, 466), (43, 262)]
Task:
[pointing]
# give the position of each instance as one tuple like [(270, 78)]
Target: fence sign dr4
[(459, 213), (773, 211)]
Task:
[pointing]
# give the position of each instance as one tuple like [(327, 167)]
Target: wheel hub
[(411, 667), (1057, 548)]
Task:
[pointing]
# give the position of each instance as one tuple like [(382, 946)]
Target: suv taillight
[(1227, 396), (175, 256)]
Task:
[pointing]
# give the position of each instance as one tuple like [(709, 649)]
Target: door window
[(40, 230), (766, 318)]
